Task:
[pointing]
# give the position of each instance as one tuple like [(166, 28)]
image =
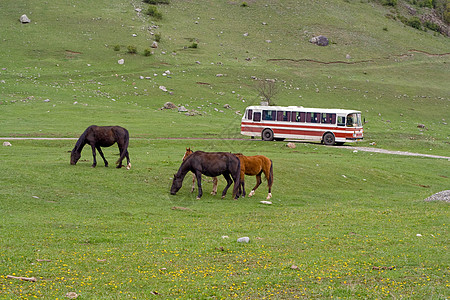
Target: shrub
[(155, 2), (116, 48), (432, 26), (157, 37), (147, 52), (414, 22), (244, 4), (385, 28), (132, 49), (389, 2), (153, 12), (194, 45)]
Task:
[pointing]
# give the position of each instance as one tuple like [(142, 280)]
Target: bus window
[(295, 116), (341, 121), (257, 117), (302, 117), (313, 117), (249, 114), (328, 118), (283, 116), (352, 120), (269, 115)]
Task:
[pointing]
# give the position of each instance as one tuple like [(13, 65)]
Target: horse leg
[(94, 164), (215, 181), (243, 188), (269, 183), (229, 182), (101, 154), (258, 182), (193, 183), (199, 185), (128, 161)]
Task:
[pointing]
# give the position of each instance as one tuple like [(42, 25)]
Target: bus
[(329, 126)]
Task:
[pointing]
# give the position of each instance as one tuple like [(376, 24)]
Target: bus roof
[(305, 109)]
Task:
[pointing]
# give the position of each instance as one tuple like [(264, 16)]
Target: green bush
[(132, 49), (431, 26), (155, 2), (194, 45), (244, 4), (157, 37), (153, 12), (116, 48), (414, 22), (147, 52), (389, 2)]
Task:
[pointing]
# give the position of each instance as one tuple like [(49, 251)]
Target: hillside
[(395, 74)]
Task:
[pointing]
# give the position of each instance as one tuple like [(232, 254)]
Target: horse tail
[(270, 179), (237, 179), (126, 137)]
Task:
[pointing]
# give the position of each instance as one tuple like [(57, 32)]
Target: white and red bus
[(329, 126)]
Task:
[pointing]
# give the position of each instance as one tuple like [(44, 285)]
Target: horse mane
[(81, 140)]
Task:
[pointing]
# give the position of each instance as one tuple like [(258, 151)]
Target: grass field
[(343, 224)]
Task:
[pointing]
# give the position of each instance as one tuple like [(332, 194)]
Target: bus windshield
[(354, 120)]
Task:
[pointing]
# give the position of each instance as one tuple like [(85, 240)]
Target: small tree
[(267, 89)]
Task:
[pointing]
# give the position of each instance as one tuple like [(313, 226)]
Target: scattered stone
[(219, 75), (265, 202), (227, 106), (246, 34), (441, 196), (182, 109), (154, 44), (225, 237), (291, 145), (47, 100), (24, 19), (244, 239), (163, 88), (348, 56), (420, 126), (169, 105), (138, 10), (319, 40), (7, 144), (268, 41), (72, 295), (294, 267), (198, 63), (121, 61)]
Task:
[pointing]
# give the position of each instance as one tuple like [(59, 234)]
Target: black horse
[(211, 164), (102, 136)]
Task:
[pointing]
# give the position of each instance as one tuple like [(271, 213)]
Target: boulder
[(182, 109), (155, 44), (169, 105), (291, 145), (319, 40), (24, 19)]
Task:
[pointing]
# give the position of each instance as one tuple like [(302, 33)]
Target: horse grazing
[(255, 165), (215, 181), (102, 136), (211, 164)]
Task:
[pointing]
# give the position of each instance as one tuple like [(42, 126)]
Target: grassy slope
[(38, 60)]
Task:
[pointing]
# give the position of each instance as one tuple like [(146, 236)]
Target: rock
[(420, 126), (163, 88), (227, 106), (198, 63), (7, 144), (441, 196), (265, 202), (291, 145), (244, 239), (182, 109), (154, 44), (219, 75), (24, 19), (47, 100), (169, 105), (348, 56), (121, 61), (319, 40)]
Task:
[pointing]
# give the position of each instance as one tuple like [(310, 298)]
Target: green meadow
[(343, 224)]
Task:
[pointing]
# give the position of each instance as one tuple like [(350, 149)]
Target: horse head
[(74, 157), (176, 184)]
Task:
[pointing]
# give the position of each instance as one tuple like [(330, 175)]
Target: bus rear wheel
[(328, 139), (267, 134)]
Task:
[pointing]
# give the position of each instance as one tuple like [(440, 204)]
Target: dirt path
[(364, 149)]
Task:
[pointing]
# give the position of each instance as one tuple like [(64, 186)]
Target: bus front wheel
[(267, 134), (328, 139)]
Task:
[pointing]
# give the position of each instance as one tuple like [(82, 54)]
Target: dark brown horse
[(215, 181), (211, 164), (255, 166), (102, 136)]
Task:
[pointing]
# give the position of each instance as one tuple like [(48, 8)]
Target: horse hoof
[(129, 166), (213, 193), (269, 196), (198, 198), (251, 193)]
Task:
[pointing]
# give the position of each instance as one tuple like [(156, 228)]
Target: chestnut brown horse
[(102, 136), (255, 166), (215, 181), (211, 164)]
